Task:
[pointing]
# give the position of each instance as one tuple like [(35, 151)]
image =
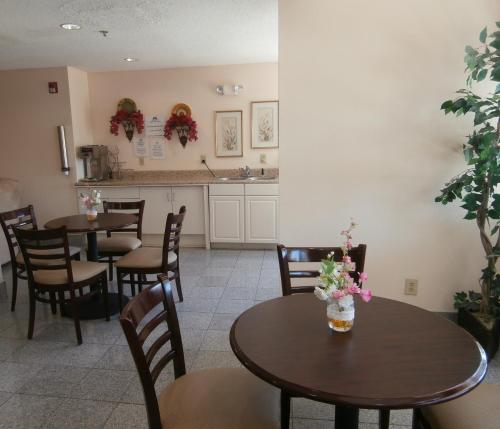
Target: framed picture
[(228, 134), (265, 124)]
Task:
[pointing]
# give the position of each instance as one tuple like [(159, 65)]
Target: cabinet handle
[(173, 196)]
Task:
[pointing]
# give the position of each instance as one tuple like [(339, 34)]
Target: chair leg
[(104, 287), (110, 267), (14, 288), (384, 417), (61, 301), (75, 307), (178, 284), (31, 325), (285, 410), (119, 280), (132, 284), (76, 256), (53, 302)]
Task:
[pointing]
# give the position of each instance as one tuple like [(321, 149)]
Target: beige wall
[(29, 150), (157, 91), (362, 135)]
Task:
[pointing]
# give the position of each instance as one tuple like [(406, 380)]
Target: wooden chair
[(153, 260), (50, 269), (221, 398), (312, 256), (306, 265), (120, 243), (476, 409), (25, 218)]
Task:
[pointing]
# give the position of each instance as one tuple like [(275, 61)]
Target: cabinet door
[(158, 206), (226, 219), (192, 198), (261, 219)]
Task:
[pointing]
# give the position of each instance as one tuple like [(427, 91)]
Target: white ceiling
[(160, 33)]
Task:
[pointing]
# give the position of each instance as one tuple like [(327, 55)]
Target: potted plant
[(477, 186)]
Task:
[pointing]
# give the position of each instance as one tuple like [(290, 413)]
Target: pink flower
[(366, 294), (348, 244), (338, 294), (346, 259), (363, 277), (345, 275), (353, 289)]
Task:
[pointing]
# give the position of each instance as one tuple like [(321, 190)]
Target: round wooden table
[(396, 356), (94, 308)]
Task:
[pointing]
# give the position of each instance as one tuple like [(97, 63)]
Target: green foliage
[(476, 186)]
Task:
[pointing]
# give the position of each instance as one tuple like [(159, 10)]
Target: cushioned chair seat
[(477, 409), (144, 257), (222, 398), (118, 243), (82, 271), (72, 251)]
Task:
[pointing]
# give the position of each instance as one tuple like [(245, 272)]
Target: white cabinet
[(226, 219), (261, 219), (244, 213), (162, 200)]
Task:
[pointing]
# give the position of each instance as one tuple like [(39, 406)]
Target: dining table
[(94, 307), (396, 356)]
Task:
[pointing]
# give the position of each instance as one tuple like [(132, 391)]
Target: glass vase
[(91, 214), (340, 314)]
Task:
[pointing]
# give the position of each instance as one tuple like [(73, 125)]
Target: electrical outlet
[(203, 158), (411, 286), (263, 158)]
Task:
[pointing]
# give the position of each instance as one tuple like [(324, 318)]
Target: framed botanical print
[(265, 124), (228, 133)]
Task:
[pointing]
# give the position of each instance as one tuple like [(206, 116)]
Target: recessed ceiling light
[(130, 59), (70, 26)]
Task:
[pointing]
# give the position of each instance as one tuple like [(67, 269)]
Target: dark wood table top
[(104, 221), (396, 356)]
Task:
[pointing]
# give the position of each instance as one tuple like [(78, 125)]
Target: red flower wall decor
[(181, 121), (128, 116)]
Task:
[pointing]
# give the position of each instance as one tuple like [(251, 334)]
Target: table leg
[(92, 251), (346, 417), (383, 419)]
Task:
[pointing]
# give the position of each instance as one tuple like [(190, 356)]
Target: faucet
[(245, 172)]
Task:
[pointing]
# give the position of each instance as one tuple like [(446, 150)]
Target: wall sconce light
[(229, 89)]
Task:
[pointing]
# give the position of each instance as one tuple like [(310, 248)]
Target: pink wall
[(157, 91), (29, 150)]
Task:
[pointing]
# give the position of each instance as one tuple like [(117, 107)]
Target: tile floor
[(50, 382)]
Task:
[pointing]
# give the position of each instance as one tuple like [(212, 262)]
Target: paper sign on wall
[(140, 147), (157, 149), (155, 126)]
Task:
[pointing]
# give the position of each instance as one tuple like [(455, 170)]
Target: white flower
[(320, 294)]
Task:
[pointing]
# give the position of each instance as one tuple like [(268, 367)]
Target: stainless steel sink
[(250, 178)]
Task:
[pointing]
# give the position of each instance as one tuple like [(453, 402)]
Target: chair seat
[(477, 409), (82, 271), (72, 251), (222, 398), (144, 257), (118, 243)]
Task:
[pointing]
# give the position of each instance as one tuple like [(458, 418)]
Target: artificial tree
[(477, 187)]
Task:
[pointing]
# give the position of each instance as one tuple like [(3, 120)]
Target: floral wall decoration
[(181, 121), (128, 116)]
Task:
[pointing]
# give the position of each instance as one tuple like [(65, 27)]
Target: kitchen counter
[(180, 177)]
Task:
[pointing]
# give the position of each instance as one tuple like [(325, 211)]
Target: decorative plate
[(128, 105), (181, 109)]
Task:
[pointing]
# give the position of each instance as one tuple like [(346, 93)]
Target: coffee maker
[(95, 162)]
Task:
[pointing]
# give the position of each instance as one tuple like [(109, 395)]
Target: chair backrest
[(133, 207), (23, 217), (301, 255), (172, 237), (46, 249), (139, 320)]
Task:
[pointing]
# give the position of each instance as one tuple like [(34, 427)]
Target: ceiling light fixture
[(130, 59), (70, 26)]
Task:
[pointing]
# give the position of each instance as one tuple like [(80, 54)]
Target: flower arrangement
[(335, 282), (92, 201), (186, 128), (129, 120)]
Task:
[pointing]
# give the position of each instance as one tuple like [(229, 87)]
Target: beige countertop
[(181, 177)]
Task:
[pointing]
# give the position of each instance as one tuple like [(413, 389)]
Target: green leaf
[(498, 24), (482, 74), (482, 35), (495, 44)]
